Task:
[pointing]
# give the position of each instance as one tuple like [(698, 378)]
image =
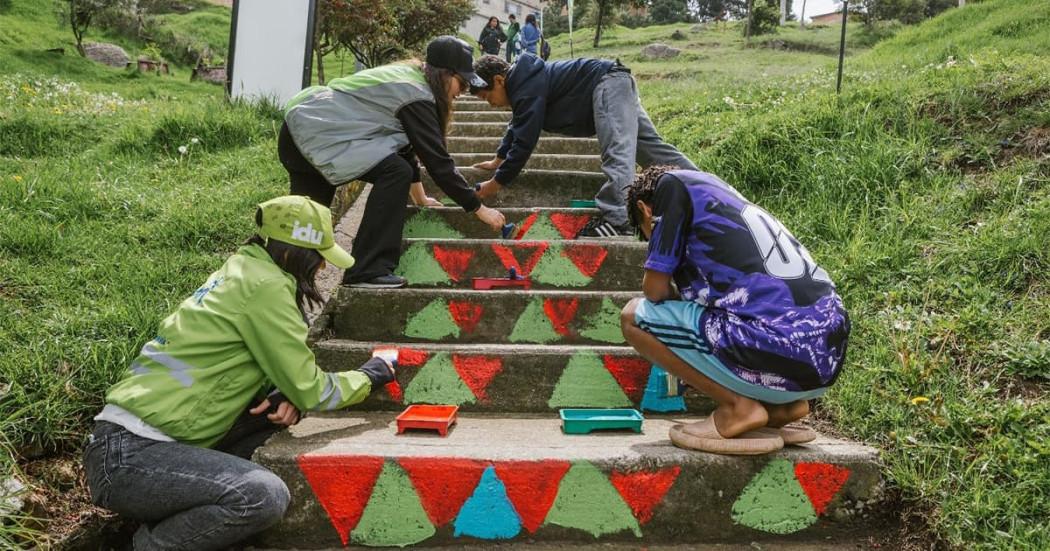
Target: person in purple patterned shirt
[(755, 323)]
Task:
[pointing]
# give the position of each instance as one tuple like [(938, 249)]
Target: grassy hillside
[(924, 190)]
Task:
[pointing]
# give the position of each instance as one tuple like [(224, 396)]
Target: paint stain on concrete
[(438, 383), (604, 326), (644, 490), (430, 225), (443, 484), (654, 398), (477, 372), (532, 487), (586, 383), (821, 481), (394, 515), (465, 314), (556, 269), (488, 513), (630, 373), (587, 258), (342, 486), (419, 267), (530, 253), (542, 230), (774, 501), (561, 312), (587, 501), (433, 323), (453, 260), (569, 225), (533, 325)]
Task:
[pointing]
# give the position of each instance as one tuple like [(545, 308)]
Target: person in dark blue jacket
[(580, 97)]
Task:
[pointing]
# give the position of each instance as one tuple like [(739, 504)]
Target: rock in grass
[(660, 51), (107, 54), (678, 35), (12, 496)]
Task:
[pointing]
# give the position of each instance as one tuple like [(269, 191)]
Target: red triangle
[(821, 481), (465, 314), (343, 485), (588, 258), (532, 487), (569, 225), (643, 491), (508, 256), (477, 372), (631, 373), (453, 261), (561, 313), (410, 357), (443, 483), (526, 225), (393, 388)]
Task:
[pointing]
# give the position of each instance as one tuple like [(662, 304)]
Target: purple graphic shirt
[(771, 314)]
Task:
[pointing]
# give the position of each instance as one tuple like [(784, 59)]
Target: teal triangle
[(774, 501), (488, 513)]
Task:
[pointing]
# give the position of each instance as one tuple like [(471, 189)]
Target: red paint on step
[(631, 373), (443, 483), (453, 261), (821, 481), (465, 314), (477, 372), (410, 357), (588, 258), (561, 313), (343, 485), (643, 491), (532, 487), (393, 388), (527, 223), (569, 225), (508, 255)]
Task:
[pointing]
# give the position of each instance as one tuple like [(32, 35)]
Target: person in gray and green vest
[(226, 370), (372, 126), (513, 28)]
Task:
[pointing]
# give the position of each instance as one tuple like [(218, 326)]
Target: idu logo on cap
[(306, 233)]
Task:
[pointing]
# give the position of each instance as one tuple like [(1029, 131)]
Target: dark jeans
[(186, 497), (377, 246)]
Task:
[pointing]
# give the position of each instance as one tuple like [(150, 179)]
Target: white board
[(270, 49)]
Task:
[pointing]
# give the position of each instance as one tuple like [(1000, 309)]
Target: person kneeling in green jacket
[(227, 369)]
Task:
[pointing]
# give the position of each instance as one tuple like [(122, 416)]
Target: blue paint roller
[(508, 230)]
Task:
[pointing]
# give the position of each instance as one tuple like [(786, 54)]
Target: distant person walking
[(491, 37), (513, 29), (530, 35)]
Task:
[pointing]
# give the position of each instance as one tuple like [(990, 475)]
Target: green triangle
[(394, 515), (533, 325), (429, 224), (543, 230), (554, 269), (587, 501), (586, 383), (438, 383), (774, 501), (605, 325), (419, 267), (433, 322)]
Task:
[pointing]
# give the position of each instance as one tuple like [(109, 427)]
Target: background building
[(501, 9)]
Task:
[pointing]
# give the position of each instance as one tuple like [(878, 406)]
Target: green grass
[(922, 189)]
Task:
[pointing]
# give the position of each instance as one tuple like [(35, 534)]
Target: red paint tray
[(438, 418), (489, 283)]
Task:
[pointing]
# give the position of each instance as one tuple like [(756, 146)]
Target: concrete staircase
[(510, 360)]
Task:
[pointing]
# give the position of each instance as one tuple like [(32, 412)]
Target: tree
[(606, 10), (663, 12), (719, 9), (79, 14)]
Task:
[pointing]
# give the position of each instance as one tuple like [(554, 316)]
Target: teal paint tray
[(583, 421), (583, 204)]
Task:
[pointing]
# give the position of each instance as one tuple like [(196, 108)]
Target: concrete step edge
[(479, 349)]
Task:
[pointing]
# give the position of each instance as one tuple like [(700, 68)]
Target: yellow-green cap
[(298, 221)]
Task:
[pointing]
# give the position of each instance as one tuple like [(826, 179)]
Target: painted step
[(553, 144), (598, 265), (513, 377), (353, 481), (482, 116), (475, 129), (476, 104), (544, 161), (530, 223), (533, 188), (479, 317)]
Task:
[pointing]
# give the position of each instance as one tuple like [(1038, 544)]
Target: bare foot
[(782, 414)]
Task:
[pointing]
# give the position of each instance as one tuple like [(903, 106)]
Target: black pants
[(377, 247)]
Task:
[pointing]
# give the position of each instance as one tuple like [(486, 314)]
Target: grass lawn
[(924, 190)]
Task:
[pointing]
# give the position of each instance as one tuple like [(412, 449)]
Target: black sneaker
[(389, 281), (597, 228)]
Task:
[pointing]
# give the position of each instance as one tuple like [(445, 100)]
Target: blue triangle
[(488, 513), (654, 399)]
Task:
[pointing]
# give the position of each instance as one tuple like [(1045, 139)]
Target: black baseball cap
[(449, 52)]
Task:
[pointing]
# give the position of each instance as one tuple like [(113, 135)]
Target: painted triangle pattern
[(774, 502), (443, 484), (555, 269), (465, 314), (644, 490), (433, 323), (418, 266), (561, 313), (586, 383), (530, 252), (526, 225), (630, 373), (532, 487), (429, 224), (821, 482), (488, 513), (394, 515), (453, 261), (438, 383), (342, 485), (604, 325), (541, 230), (577, 504), (587, 258), (569, 225), (477, 372), (533, 325)]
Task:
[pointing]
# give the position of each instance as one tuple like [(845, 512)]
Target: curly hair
[(488, 67), (642, 189)]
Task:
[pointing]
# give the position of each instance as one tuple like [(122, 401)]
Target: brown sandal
[(792, 435), (705, 437)]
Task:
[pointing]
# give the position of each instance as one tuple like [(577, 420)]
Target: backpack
[(545, 49)]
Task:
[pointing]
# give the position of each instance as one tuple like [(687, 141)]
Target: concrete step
[(476, 104), (533, 188), (531, 223), (477, 129), (479, 317), (512, 377), (353, 480), (554, 144), (482, 116), (605, 265), (545, 161)]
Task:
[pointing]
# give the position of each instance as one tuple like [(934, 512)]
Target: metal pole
[(842, 46)]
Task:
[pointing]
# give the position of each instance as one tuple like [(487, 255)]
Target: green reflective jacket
[(237, 335)]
